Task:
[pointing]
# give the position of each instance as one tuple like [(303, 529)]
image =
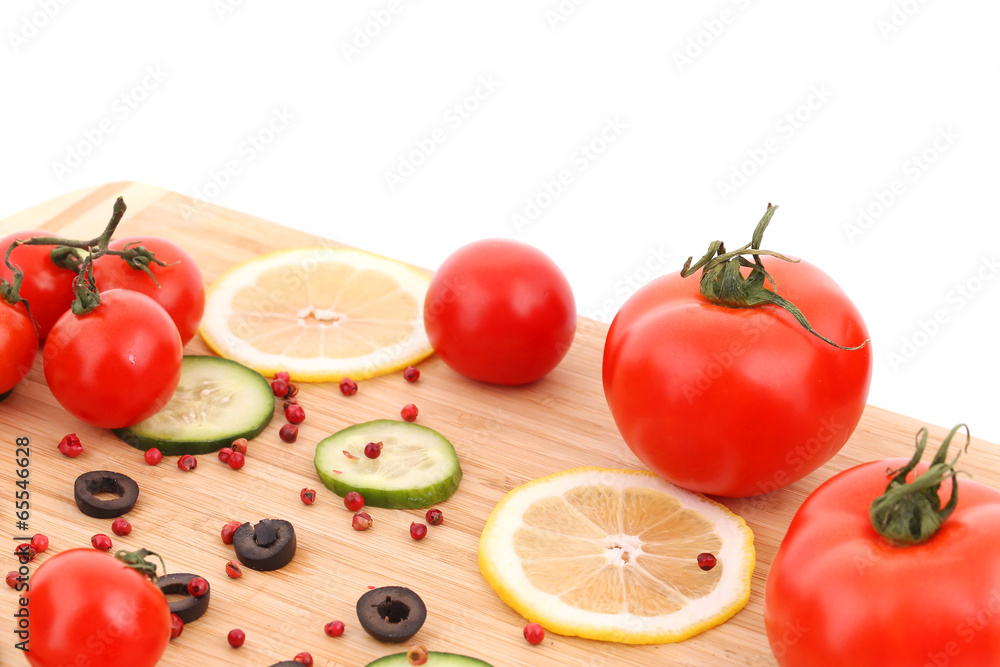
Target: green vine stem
[(66, 253), (137, 561), (908, 514), (723, 282)]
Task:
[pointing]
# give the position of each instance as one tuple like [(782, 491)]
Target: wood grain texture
[(504, 436)]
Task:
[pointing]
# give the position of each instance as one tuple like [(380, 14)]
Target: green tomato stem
[(911, 513), (723, 282), (66, 254), (137, 561)]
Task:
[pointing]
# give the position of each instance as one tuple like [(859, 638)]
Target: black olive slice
[(189, 608), (391, 614), (91, 483), (267, 546)]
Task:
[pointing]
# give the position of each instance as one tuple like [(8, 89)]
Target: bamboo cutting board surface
[(504, 436)]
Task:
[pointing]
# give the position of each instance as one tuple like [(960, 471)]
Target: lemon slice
[(319, 314), (613, 555)]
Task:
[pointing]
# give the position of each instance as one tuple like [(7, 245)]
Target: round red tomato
[(736, 401), (116, 365), (86, 608), (47, 288), (181, 291), (840, 594), (500, 311), (18, 345)]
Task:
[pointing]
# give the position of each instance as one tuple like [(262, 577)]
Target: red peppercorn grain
[(70, 446), (418, 531), (361, 521), (236, 637), (305, 658), (152, 456), (416, 655), (411, 373), (40, 542), (295, 414), (279, 387), (332, 629), (233, 570), (409, 412), (236, 461), (101, 542), (289, 433), (25, 552), (13, 579), (373, 449), (187, 462), (197, 587), (176, 626), (121, 527), (224, 454), (308, 496), (348, 387), (354, 501), (228, 530), (706, 561), (434, 517), (282, 375), (239, 445), (534, 633)]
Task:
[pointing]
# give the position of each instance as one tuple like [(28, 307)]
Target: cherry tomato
[(116, 365), (47, 288), (181, 291), (736, 401), (18, 345), (840, 594), (500, 311), (87, 608)]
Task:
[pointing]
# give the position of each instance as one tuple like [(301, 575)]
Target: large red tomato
[(47, 288), (838, 593), (500, 311), (181, 290), (18, 345), (736, 401), (116, 365), (86, 608)]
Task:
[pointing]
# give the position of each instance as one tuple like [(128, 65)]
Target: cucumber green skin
[(402, 499), (434, 659), (180, 447)]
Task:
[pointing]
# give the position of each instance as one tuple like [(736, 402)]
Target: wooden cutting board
[(504, 437)]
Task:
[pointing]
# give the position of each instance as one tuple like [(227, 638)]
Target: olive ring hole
[(392, 611)]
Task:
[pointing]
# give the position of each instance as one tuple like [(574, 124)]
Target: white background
[(713, 109)]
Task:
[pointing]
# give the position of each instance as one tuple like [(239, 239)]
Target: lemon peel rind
[(225, 343), (569, 621)]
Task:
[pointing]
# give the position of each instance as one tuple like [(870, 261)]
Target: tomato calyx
[(137, 561), (10, 291), (723, 282), (911, 513), (139, 257)]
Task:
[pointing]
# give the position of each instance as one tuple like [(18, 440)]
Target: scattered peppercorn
[(71, 446), (348, 387)]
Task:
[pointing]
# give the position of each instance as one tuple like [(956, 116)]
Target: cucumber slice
[(434, 659), (216, 402), (418, 467)]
